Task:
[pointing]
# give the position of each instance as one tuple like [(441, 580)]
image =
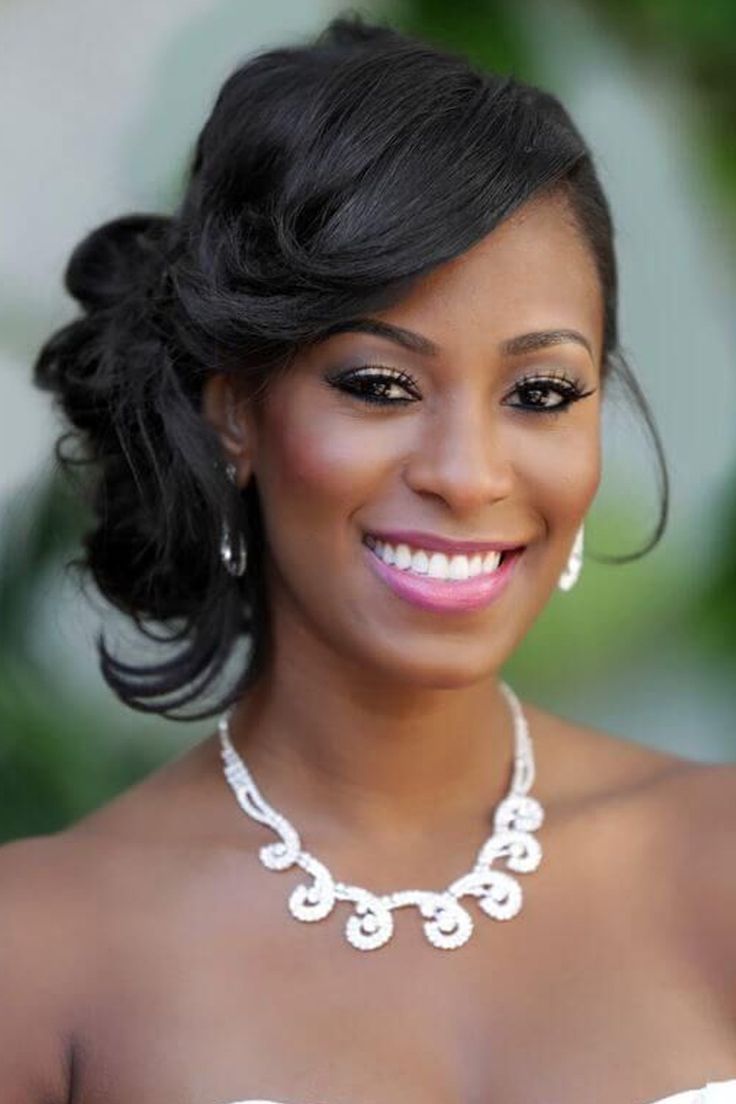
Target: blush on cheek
[(309, 454), (561, 482), (587, 474), (321, 462)]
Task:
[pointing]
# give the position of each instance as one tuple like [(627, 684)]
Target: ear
[(229, 417)]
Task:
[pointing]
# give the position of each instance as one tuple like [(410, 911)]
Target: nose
[(462, 457)]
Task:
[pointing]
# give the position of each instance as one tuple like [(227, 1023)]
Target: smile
[(436, 565), (436, 581)]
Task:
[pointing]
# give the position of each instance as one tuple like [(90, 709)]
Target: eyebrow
[(416, 343)]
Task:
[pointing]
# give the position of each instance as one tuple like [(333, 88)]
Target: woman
[(344, 407)]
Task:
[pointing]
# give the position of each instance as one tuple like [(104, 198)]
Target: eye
[(539, 389), (377, 384), (385, 386)]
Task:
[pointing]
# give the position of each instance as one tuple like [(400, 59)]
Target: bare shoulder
[(38, 896), (701, 805), (46, 882), (699, 810), (75, 902), (40, 969), (586, 764), (579, 764), (690, 805), (677, 814)]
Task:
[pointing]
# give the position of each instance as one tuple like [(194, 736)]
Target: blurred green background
[(100, 105)]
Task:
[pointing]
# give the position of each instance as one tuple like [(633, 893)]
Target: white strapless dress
[(715, 1092)]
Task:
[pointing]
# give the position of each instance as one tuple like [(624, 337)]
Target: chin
[(447, 665)]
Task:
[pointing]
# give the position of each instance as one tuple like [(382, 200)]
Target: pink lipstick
[(447, 595)]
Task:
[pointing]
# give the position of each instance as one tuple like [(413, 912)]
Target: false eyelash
[(371, 373), (569, 389)]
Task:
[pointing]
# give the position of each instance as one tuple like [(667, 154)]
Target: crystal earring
[(234, 559), (570, 575)]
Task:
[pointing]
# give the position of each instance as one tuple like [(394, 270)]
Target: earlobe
[(223, 412)]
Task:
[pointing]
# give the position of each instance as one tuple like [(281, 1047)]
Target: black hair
[(328, 177)]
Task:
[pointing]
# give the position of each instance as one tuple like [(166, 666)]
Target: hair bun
[(353, 30), (111, 262)]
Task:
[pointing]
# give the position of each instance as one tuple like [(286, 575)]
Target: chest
[(593, 992)]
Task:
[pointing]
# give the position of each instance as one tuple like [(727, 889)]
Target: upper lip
[(440, 544)]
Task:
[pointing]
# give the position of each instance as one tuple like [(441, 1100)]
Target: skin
[(148, 955)]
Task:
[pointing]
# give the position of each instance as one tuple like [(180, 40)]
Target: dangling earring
[(235, 560), (570, 575)]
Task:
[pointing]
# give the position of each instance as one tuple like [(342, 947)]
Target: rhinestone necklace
[(447, 923)]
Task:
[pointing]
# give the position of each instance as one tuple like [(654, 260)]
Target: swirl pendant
[(447, 923)]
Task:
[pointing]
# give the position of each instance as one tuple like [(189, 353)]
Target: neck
[(380, 759)]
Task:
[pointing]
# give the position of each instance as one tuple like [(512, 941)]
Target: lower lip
[(440, 595)]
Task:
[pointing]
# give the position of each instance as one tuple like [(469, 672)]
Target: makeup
[(445, 595)]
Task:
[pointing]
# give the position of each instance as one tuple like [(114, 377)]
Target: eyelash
[(571, 390)]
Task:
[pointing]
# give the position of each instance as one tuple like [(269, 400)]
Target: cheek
[(312, 462), (562, 471)]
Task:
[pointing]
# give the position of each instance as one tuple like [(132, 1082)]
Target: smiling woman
[(298, 224), (344, 404), (484, 379)]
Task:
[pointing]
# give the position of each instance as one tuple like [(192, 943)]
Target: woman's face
[(473, 443)]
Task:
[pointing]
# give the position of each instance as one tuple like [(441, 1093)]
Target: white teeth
[(420, 562), (439, 566), (491, 561), (436, 565), (403, 557), (459, 568)]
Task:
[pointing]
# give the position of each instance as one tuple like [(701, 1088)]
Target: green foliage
[(611, 614), (41, 524), (699, 41), (59, 756), (487, 33), (713, 615)]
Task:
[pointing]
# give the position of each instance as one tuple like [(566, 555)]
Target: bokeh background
[(99, 105)]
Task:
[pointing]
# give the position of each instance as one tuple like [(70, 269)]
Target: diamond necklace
[(447, 924)]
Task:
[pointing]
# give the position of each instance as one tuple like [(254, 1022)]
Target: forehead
[(532, 272)]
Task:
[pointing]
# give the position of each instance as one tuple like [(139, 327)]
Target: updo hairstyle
[(328, 178)]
